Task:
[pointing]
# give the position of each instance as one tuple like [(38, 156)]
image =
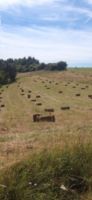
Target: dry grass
[(19, 136)]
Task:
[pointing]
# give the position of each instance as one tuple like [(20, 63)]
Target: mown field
[(61, 146), (20, 136)]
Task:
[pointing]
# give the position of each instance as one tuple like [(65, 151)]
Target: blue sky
[(50, 30)]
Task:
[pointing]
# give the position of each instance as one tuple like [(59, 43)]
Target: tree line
[(7, 72), (10, 67)]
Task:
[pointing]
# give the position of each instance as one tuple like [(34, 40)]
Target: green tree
[(11, 71)]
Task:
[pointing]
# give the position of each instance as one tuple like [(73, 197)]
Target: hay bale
[(49, 110), (47, 118), (2, 105), (65, 108), (87, 86), (28, 96), (48, 88), (33, 100), (22, 90), (38, 96), (39, 118), (90, 96), (78, 95), (36, 117), (39, 104), (29, 91), (60, 92)]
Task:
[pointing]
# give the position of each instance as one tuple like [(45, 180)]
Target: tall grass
[(54, 175)]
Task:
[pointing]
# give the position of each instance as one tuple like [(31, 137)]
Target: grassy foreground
[(54, 175)]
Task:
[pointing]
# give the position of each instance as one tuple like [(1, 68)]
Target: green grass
[(41, 176)]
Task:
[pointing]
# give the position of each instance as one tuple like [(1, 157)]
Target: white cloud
[(69, 12), (49, 45), (76, 9), (57, 6), (89, 1), (8, 3)]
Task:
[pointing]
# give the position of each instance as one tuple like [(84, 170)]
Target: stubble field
[(21, 137)]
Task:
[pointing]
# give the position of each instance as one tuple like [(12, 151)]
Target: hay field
[(20, 136)]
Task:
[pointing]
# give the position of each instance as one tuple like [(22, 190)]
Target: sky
[(49, 30)]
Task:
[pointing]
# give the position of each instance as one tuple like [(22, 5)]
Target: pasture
[(68, 94)]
